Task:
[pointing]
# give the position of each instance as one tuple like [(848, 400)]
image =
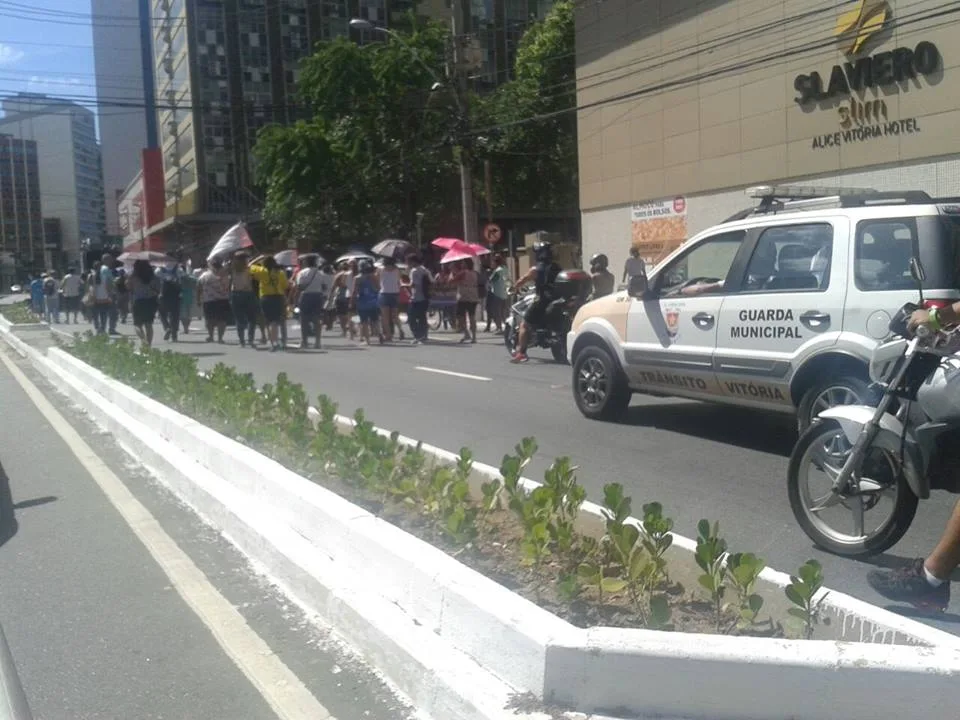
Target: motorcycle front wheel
[(559, 352), (854, 523), (510, 337)]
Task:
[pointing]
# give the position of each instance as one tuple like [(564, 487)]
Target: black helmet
[(543, 251), (599, 262)]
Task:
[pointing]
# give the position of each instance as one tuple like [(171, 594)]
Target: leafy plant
[(638, 553), (743, 570), (630, 558), (19, 314), (806, 612), (710, 557), (656, 538)]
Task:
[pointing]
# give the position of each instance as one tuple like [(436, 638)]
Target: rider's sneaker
[(519, 358), (910, 584)]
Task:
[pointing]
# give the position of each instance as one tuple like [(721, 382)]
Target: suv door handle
[(815, 320), (703, 320)]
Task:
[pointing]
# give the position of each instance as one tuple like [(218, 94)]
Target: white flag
[(236, 238)]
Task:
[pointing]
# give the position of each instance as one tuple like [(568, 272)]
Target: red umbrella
[(448, 243), (479, 249), (458, 253)]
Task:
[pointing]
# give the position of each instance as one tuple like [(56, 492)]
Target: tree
[(375, 149), (532, 143)]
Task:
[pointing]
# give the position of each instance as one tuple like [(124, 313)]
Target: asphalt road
[(698, 460), (99, 630)]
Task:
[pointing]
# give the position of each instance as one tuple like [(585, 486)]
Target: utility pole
[(460, 87)]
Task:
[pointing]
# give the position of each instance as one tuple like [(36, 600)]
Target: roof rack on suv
[(784, 198)]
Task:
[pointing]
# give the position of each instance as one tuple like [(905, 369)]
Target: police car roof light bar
[(794, 192)]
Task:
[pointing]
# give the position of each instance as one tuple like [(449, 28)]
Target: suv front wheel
[(600, 388), (827, 393)]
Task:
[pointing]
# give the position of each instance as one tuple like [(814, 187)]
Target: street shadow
[(8, 508), (749, 429), (204, 354), (8, 518)]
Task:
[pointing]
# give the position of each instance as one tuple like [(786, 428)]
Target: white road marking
[(466, 376), (283, 691)]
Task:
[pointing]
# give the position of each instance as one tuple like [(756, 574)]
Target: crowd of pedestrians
[(258, 294)]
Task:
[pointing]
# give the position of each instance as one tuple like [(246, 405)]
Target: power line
[(951, 8)]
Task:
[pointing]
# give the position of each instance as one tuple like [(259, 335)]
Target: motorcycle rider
[(925, 583), (603, 279), (543, 274)]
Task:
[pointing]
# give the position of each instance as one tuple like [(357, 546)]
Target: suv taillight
[(928, 304)]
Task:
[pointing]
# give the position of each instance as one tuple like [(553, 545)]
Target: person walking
[(243, 299), (342, 293), (389, 281), (214, 288), (171, 275), (273, 283), (103, 293), (71, 287), (499, 281), (468, 297), (188, 299), (310, 291), (366, 292), (145, 288), (123, 296), (634, 266), (51, 298), (36, 295), (419, 287)]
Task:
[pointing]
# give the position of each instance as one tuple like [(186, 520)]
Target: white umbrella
[(357, 255), (236, 238), (287, 258)]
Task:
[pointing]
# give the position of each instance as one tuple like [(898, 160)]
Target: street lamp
[(466, 173)]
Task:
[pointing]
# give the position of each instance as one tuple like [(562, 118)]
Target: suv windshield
[(884, 247)]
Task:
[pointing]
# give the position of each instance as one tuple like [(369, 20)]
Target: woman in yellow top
[(273, 290)]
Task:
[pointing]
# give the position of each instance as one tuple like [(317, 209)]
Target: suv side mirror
[(639, 286), (916, 270)]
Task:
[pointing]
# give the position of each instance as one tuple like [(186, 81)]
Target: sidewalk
[(102, 618)]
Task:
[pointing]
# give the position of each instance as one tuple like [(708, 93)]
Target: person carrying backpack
[(51, 297), (419, 287)]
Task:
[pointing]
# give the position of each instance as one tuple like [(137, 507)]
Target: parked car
[(777, 308)]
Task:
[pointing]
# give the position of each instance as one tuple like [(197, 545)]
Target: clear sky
[(46, 46)]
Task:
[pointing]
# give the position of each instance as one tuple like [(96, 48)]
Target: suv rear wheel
[(600, 388), (827, 393)]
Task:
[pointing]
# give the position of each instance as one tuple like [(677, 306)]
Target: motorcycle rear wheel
[(510, 338), (817, 441)]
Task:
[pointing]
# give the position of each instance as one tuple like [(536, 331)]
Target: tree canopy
[(533, 144), (374, 150), (380, 124)]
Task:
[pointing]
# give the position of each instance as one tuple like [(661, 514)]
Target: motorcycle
[(887, 457), (572, 287)]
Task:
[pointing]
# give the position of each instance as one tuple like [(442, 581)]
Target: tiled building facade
[(21, 223), (227, 68)]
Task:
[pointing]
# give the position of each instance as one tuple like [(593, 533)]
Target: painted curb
[(859, 620), (407, 607), (389, 593)]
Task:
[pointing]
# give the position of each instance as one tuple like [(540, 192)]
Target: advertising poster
[(658, 228)]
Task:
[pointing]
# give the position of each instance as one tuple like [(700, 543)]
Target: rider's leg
[(523, 337), (924, 583), (946, 556)]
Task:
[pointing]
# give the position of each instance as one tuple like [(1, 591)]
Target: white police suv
[(777, 308)]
